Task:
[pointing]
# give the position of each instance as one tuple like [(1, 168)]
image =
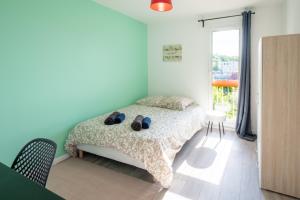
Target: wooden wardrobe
[(279, 114)]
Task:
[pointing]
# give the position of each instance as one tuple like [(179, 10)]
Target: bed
[(151, 149)]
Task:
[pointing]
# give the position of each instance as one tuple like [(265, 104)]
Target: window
[(225, 71)]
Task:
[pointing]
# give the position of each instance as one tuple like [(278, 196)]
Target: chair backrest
[(35, 160)]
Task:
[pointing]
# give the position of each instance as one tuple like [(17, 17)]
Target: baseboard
[(60, 159)]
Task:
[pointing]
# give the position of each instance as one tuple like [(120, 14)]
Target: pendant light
[(161, 5)]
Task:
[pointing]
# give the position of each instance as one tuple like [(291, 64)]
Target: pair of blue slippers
[(115, 118), (140, 122)]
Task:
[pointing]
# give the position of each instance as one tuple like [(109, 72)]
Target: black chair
[(35, 160)]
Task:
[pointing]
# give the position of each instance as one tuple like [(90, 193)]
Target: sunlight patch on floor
[(214, 172), (172, 196)]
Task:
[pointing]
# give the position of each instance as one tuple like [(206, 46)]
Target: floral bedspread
[(155, 147)]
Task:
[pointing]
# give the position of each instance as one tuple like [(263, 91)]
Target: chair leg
[(80, 154), (223, 129), (220, 130), (207, 128), (211, 126)]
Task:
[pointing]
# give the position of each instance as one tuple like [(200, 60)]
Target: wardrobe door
[(280, 139)]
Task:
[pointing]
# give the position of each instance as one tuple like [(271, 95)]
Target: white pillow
[(177, 102), (171, 102)]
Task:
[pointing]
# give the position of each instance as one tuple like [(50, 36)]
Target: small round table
[(215, 117)]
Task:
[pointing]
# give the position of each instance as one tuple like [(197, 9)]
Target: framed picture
[(172, 53)]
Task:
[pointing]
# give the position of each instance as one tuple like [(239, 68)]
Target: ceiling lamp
[(161, 5)]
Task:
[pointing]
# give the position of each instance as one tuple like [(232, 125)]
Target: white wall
[(267, 21), (187, 77), (293, 16), (191, 76)]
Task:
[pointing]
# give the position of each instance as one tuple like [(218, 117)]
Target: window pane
[(225, 66)]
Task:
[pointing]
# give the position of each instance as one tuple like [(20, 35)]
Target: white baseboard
[(60, 159)]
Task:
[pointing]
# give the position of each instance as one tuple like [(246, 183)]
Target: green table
[(14, 186)]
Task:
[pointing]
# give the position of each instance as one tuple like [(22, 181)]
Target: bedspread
[(155, 147)]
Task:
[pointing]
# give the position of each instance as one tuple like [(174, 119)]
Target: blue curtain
[(243, 123)]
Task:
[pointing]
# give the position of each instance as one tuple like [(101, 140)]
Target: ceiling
[(139, 9)]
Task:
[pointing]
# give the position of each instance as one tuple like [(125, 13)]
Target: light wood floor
[(205, 169)]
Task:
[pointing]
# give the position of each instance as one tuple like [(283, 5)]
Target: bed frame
[(109, 153)]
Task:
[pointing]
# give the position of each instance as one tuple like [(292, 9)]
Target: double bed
[(152, 149)]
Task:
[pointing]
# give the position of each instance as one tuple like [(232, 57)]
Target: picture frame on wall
[(172, 53)]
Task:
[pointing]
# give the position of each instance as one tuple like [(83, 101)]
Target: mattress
[(155, 147)]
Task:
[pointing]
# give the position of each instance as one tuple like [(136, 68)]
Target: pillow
[(172, 102), (176, 102), (154, 101)]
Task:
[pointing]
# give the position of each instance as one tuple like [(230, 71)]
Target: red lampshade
[(161, 5)]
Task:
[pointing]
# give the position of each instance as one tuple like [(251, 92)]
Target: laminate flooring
[(206, 168)]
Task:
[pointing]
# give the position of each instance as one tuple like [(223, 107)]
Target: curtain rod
[(204, 20)]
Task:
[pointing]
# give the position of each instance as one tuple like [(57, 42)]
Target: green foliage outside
[(226, 97)]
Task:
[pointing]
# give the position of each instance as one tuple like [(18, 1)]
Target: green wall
[(61, 62)]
